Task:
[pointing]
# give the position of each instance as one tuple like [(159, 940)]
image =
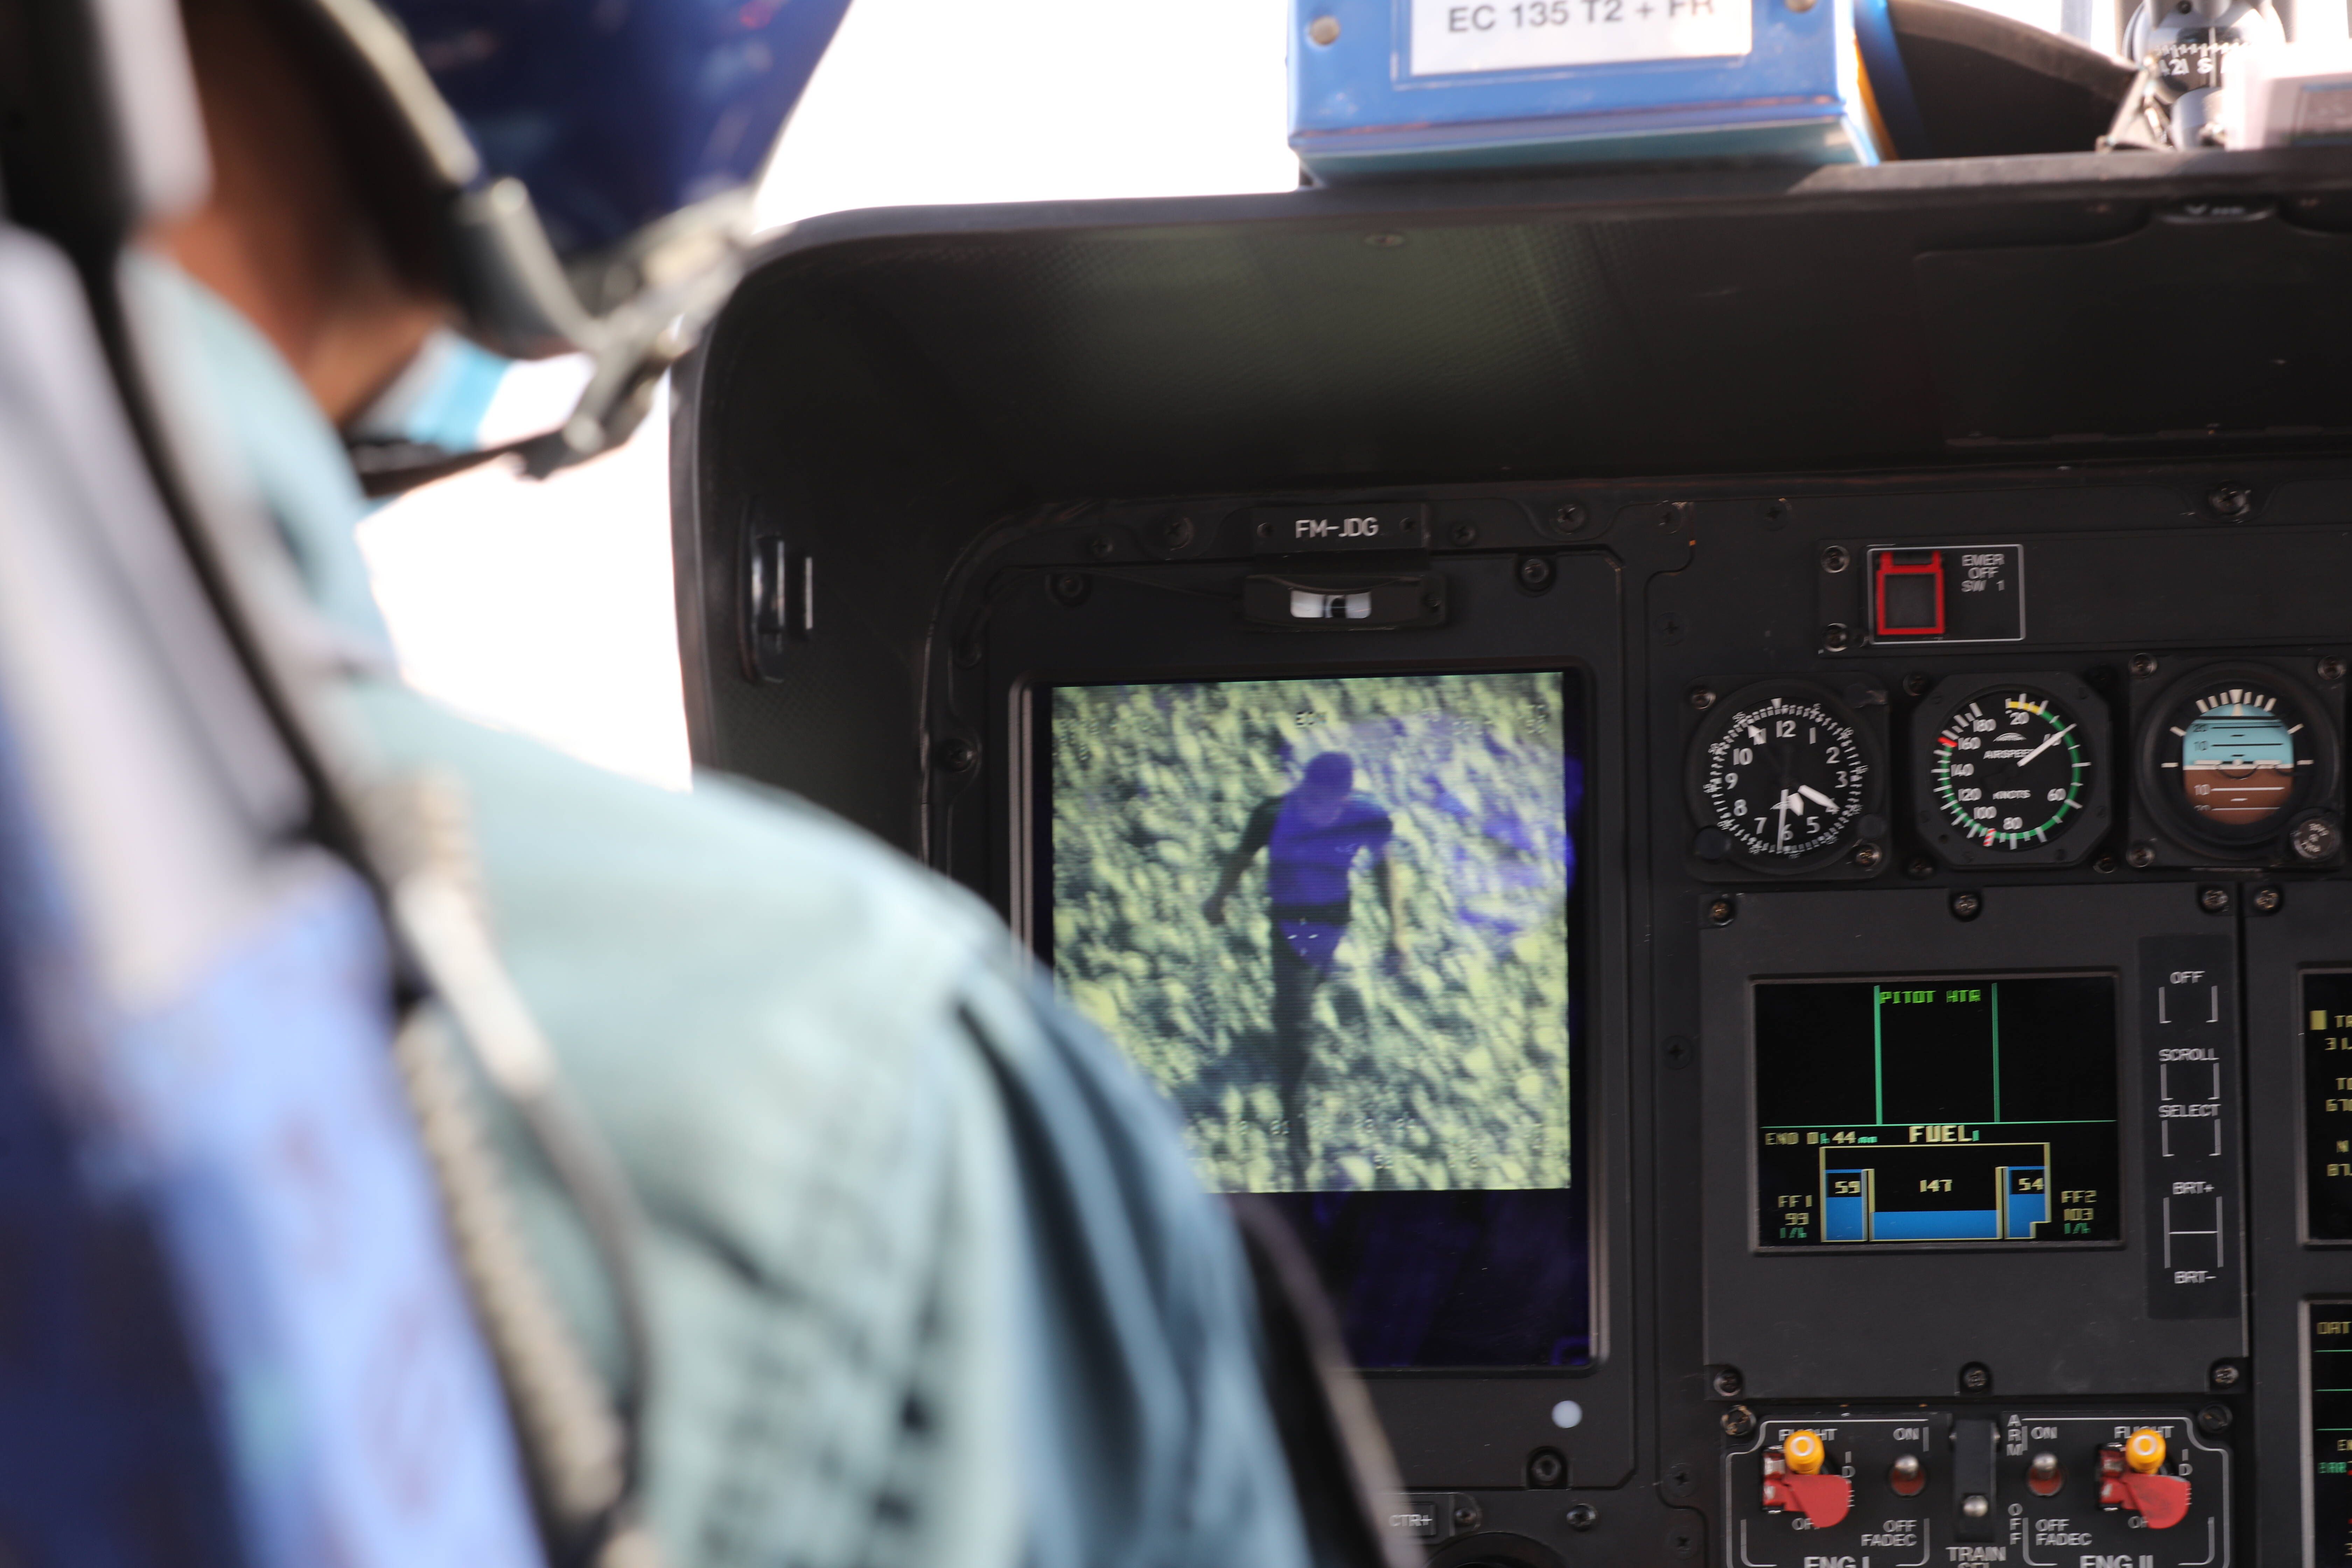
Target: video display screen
[(1976, 1110), (1330, 919)]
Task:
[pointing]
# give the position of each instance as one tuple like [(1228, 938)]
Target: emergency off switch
[(1793, 1480), (1908, 592)]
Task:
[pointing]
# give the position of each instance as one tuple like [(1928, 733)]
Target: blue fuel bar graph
[(1911, 1193)]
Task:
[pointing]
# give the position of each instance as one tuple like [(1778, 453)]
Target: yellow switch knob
[(1805, 1451), (2143, 1451)]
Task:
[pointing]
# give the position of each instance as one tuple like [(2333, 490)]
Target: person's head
[(1324, 788), (546, 178)]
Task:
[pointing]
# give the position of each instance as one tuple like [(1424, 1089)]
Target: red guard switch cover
[(1824, 1500), (2162, 1500)]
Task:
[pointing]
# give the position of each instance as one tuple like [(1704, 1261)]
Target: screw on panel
[(1682, 1539), (2330, 668), (1836, 638), (2315, 839), (1570, 515), (1722, 912), (1681, 1478), (1967, 906), (2267, 900), (956, 755), (1920, 867), (1534, 574), (1868, 856), (1583, 1516), (2231, 501), (1462, 533), (2140, 856), (1738, 1421), (1702, 698), (1102, 547), (2105, 865), (1677, 1051), (1069, 587), (1727, 1383), (1174, 533), (2227, 1375), (1834, 559), (2143, 665), (1466, 1515), (1265, 530), (2213, 1419), (1915, 684), (1976, 1378), (1323, 30), (1776, 511), (2213, 901), (1546, 1469)]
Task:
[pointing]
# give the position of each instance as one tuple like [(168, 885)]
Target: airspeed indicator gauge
[(2011, 769), (1784, 773)]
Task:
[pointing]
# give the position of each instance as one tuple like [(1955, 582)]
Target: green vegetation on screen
[(1446, 1068)]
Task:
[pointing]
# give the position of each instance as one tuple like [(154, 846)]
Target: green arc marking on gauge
[(1961, 814)]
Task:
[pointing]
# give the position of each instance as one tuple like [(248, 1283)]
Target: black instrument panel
[(1935, 959)]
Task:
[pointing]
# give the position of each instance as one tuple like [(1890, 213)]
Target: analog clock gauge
[(1784, 772), (2234, 756), (2011, 769)]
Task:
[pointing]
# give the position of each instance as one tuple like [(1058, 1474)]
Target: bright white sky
[(547, 608)]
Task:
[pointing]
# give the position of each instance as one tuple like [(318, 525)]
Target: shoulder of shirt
[(729, 853)]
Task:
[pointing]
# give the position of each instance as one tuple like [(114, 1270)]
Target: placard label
[(1451, 37)]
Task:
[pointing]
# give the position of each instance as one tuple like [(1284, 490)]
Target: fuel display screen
[(1978, 1110)]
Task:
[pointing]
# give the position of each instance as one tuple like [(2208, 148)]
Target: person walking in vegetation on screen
[(1313, 836)]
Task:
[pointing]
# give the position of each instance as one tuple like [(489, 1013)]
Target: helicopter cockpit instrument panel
[(1726, 786)]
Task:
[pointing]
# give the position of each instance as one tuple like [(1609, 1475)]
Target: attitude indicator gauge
[(2011, 769), (1781, 776), (2237, 758)]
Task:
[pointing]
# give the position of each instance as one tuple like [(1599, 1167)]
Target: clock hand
[(1816, 796)]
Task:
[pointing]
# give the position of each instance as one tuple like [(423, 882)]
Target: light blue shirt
[(932, 1284)]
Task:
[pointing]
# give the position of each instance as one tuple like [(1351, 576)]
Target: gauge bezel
[(2161, 796), (1713, 725), (2094, 721)]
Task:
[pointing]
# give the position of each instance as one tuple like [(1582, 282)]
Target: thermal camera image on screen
[(1974, 1109), (1329, 918)]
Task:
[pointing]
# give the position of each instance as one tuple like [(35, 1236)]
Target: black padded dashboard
[(2066, 437)]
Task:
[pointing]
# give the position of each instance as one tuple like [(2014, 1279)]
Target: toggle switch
[(2044, 1475), (2160, 1500), (1824, 1500), (1907, 1477)]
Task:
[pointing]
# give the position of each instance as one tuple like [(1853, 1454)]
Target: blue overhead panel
[(1385, 87)]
